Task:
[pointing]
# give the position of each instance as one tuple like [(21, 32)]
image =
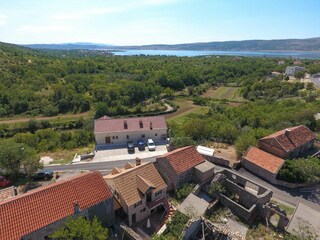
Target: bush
[(175, 227), (300, 170), (184, 191)]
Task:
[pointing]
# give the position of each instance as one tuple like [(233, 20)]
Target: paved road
[(291, 196), (101, 166)]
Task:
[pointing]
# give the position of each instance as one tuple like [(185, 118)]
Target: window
[(125, 125), (137, 204), (141, 124), (156, 134), (113, 137), (151, 126), (143, 136), (127, 136), (158, 193), (116, 137)]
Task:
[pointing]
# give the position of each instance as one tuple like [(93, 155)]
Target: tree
[(14, 156), (30, 162), (80, 229)]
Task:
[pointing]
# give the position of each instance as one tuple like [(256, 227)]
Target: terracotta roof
[(108, 125), (263, 159), (144, 184), (6, 193), (128, 184), (182, 159), (38, 208), (293, 137)]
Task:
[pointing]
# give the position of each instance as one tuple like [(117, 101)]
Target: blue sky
[(135, 22)]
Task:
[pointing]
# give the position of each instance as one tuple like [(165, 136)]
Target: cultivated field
[(228, 93)]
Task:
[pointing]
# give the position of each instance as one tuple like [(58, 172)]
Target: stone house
[(138, 189), (261, 163), (288, 143), (184, 165), (119, 131), (292, 70), (38, 213)]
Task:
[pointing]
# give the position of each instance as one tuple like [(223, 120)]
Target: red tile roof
[(264, 160), (38, 208), (183, 159), (106, 124), (292, 138)]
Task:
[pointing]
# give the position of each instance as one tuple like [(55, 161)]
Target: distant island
[(309, 44)]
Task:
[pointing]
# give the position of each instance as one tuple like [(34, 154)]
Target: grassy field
[(228, 93), (64, 156), (186, 108)]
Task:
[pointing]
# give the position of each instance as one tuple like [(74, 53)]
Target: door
[(134, 218), (108, 140)]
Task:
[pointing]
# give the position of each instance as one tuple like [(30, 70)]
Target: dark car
[(43, 175), (130, 147), (4, 181), (141, 144)]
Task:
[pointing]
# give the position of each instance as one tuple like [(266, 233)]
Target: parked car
[(4, 181), (43, 175), (130, 147), (141, 144), (151, 145)]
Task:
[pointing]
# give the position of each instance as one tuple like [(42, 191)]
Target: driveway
[(122, 153)]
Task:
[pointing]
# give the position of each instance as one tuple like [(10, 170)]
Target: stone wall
[(258, 170), (166, 173), (219, 161), (245, 213)]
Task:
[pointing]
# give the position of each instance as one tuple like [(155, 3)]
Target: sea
[(191, 53)]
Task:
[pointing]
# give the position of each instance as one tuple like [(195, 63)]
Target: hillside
[(310, 44)]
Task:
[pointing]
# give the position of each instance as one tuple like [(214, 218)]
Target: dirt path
[(19, 120)]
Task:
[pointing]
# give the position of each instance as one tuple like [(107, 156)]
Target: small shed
[(204, 172)]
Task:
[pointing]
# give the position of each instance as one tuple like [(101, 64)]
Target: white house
[(290, 71), (122, 130)]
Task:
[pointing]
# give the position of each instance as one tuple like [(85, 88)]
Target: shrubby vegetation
[(80, 229), (300, 170), (184, 191), (48, 83)]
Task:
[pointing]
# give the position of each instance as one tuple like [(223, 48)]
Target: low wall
[(292, 185), (219, 161), (237, 209)]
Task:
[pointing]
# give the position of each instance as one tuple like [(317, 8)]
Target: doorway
[(108, 140)]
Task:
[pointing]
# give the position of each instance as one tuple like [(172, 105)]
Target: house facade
[(292, 70), (178, 167), (138, 189), (288, 143), (110, 131), (38, 213)]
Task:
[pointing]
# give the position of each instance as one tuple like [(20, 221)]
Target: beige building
[(138, 189), (109, 131)]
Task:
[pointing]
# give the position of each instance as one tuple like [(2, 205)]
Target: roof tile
[(107, 125), (292, 138), (183, 159), (264, 160), (38, 208)]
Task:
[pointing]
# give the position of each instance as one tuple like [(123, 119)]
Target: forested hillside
[(50, 83)]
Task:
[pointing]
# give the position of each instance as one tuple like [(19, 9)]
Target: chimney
[(150, 125), (125, 125), (141, 124), (76, 208), (15, 191), (138, 161), (287, 132)]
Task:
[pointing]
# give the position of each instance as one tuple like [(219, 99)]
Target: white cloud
[(44, 29), (3, 20)]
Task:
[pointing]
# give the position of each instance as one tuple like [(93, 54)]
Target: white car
[(151, 145)]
